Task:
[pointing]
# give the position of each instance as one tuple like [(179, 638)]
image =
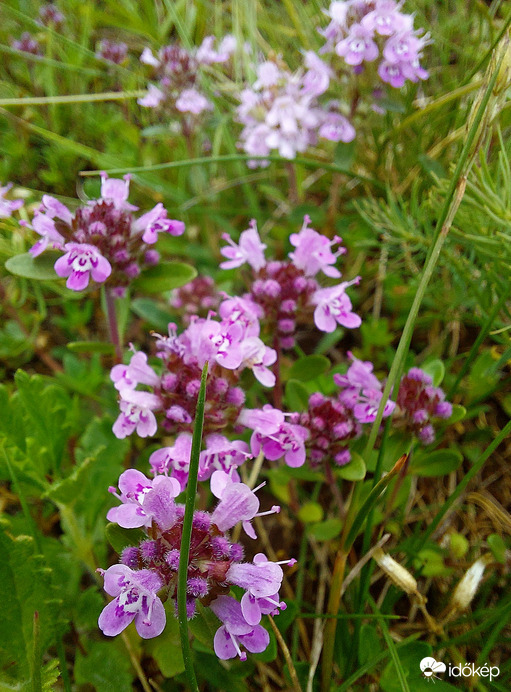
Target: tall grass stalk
[(186, 536)]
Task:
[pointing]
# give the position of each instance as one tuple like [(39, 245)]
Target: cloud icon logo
[(430, 667)]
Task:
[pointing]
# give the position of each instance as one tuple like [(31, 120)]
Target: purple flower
[(236, 631), (250, 249), (288, 442), (144, 500), (80, 262), (392, 73), (256, 356), (8, 206), (152, 98), (313, 251), (191, 101), (223, 455), (336, 128), (237, 503), (137, 372), (174, 461), (261, 578), (135, 599), (358, 46), (156, 221), (207, 55), (136, 413), (334, 307), (116, 191), (317, 78), (386, 19)]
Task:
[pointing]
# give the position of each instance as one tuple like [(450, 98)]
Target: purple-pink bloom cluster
[(286, 291), (176, 72), (280, 111), (419, 403), (361, 32), (101, 240), (147, 574)]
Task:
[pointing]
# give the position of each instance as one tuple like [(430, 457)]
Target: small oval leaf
[(40, 268), (437, 463), (309, 367), (325, 530), (436, 370), (297, 396), (310, 512), (354, 471), (164, 277)]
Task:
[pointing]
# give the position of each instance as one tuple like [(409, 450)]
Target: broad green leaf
[(152, 313), (436, 370), (310, 512), (325, 530), (164, 277), (41, 268), (354, 471), (297, 396), (105, 665), (308, 368), (436, 463), (25, 587)]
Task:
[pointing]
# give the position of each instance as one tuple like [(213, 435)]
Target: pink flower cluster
[(177, 71), (419, 403), (102, 240), (362, 31), (282, 292), (280, 111), (148, 572)]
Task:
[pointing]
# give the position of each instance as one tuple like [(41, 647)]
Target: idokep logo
[(431, 667)]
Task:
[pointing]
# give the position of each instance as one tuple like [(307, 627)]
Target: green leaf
[(119, 538), (151, 312), (458, 413), (25, 587), (326, 530), (369, 644), (436, 463), (297, 396), (309, 367), (310, 512), (41, 267), (436, 370), (344, 154), (354, 471), (166, 649), (90, 347), (497, 547), (105, 665), (164, 277), (204, 626)]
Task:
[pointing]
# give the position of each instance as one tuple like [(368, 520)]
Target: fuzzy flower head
[(102, 240)]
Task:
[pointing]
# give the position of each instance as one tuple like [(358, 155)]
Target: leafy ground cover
[(224, 464)]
